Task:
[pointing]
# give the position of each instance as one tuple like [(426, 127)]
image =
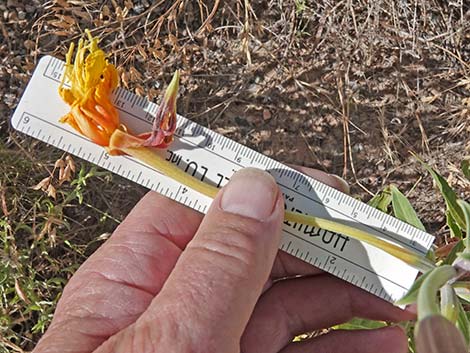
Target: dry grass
[(364, 82)]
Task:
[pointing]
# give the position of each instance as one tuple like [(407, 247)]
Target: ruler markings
[(138, 177), (341, 257)]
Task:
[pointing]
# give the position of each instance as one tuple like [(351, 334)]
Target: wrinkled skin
[(169, 280)]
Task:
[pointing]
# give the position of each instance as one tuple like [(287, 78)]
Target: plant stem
[(148, 156), (411, 258)]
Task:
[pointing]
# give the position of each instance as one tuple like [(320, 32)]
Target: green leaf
[(449, 195), (412, 295), (34, 307), (465, 165), (463, 323), (403, 210), (449, 303), (466, 212), (458, 248), (455, 230), (436, 334), (360, 324), (382, 200), (462, 289)]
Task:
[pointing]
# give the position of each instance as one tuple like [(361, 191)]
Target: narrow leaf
[(458, 248), (463, 323), (403, 210), (466, 212), (455, 230), (360, 324), (462, 289), (448, 194), (412, 295), (465, 165), (449, 303), (381, 200)]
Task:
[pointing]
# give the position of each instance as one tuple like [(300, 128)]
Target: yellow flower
[(92, 79)]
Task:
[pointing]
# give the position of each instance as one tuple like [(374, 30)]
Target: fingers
[(118, 282), (215, 285), (296, 306), (384, 340), (157, 214), (287, 265)]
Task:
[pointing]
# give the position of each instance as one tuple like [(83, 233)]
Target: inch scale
[(213, 158)]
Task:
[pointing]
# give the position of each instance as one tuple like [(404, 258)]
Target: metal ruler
[(214, 158)]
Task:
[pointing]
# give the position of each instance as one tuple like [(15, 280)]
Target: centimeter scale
[(213, 158)]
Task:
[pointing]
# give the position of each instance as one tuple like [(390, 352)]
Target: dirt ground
[(348, 87)]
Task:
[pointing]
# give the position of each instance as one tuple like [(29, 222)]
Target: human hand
[(169, 280)]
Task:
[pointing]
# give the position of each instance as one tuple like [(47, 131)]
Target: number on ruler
[(120, 103), (289, 198)]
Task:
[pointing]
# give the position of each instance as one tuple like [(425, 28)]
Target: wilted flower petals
[(92, 79), (88, 127), (164, 125), (121, 140)]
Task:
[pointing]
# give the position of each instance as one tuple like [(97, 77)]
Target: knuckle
[(192, 336), (232, 247)]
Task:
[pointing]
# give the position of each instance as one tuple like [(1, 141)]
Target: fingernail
[(250, 193), (344, 186)]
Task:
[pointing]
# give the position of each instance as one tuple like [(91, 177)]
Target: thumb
[(220, 276)]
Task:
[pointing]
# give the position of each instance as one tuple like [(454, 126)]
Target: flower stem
[(148, 156), (403, 254)]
